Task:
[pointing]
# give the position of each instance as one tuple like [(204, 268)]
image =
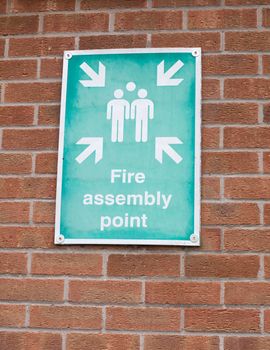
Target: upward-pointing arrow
[(163, 145), (97, 79), (165, 78)]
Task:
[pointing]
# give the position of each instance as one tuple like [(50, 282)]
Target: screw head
[(194, 238), (68, 55), (60, 239), (195, 53)]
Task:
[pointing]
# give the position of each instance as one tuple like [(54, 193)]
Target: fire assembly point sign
[(129, 147)]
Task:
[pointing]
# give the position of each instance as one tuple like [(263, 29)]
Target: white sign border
[(195, 237)]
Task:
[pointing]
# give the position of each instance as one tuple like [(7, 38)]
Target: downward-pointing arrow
[(97, 79), (165, 78), (163, 145), (95, 145)]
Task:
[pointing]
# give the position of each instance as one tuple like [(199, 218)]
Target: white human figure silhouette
[(141, 110), (117, 110)]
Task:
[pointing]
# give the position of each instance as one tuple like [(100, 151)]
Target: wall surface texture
[(216, 297)]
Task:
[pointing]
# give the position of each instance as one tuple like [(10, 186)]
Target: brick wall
[(216, 297)]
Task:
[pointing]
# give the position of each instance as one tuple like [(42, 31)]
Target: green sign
[(129, 149)]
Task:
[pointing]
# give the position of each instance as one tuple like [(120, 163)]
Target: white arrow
[(163, 145), (97, 79), (95, 145), (165, 78)]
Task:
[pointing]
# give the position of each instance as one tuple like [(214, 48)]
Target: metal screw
[(68, 55), (60, 239), (195, 53), (194, 238)]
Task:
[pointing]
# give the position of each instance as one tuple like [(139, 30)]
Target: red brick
[(266, 64), (100, 4), (148, 20), (30, 341), (105, 292), (210, 138), (14, 212), (143, 319), (41, 46), (246, 2), (77, 341), (12, 163), (207, 41), (222, 320), (210, 188), (3, 6), (182, 293), (267, 320), (112, 41), (247, 188), (230, 214), (230, 162), (247, 88), (246, 293), (210, 239), (143, 265), (16, 115), (67, 264), (180, 342), (222, 19), (230, 64), (26, 237), (32, 92), (31, 290), (247, 240), (49, 115), (44, 212), (231, 113), (65, 317), (266, 17), (18, 69), (266, 113), (247, 41), (246, 343), (175, 3), (41, 5), (222, 266), (46, 163), (12, 315), (77, 22), (254, 137), (13, 263), (210, 89), (267, 266), (27, 187), (2, 47), (10, 25), (266, 214), (51, 68), (27, 139)]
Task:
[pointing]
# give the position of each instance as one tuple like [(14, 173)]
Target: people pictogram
[(142, 109), (118, 110)]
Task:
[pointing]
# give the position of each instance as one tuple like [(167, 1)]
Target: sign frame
[(195, 237)]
